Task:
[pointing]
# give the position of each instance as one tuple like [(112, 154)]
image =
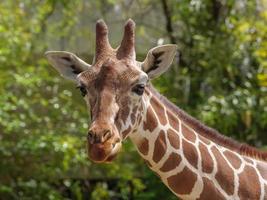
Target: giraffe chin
[(103, 153), (113, 153)]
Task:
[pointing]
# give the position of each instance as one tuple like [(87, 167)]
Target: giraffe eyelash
[(139, 89), (82, 89)]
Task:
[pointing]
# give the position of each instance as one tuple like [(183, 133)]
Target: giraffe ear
[(66, 63), (158, 60)]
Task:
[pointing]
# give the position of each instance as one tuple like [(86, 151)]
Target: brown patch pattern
[(183, 182), (204, 140), (151, 121), (126, 132), (139, 118), (210, 191), (249, 184), (143, 146), (188, 134), (233, 159), (190, 153), (125, 114), (133, 115), (206, 159), (171, 163), (118, 125), (263, 170), (160, 147), (173, 121), (224, 175), (159, 109), (174, 139)]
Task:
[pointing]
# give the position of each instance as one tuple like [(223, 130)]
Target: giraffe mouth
[(103, 152)]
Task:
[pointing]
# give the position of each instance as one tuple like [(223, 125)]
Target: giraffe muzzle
[(103, 145)]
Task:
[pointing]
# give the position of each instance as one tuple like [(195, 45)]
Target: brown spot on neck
[(159, 110), (190, 153), (183, 182), (143, 146), (206, 159), (160, 147), (171, 163), (249, 185), (173, 120), (210, 191), (224, 175), (188, 134), (174, 138), (151, 121), (233, 159)]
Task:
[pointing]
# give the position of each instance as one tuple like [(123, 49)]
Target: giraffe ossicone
[(194, 161)]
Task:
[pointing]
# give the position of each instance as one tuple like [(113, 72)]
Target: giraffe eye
[(82, 89), (139, 89)]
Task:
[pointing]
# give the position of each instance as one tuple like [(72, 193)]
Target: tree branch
[(169, 26)]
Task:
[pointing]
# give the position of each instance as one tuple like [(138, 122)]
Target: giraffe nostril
[(106, 135), (98, 137), (90, 136)]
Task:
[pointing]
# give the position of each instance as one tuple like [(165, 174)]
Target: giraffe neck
[(191, 165)]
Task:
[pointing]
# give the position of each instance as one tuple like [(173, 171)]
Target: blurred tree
[(221, 79)]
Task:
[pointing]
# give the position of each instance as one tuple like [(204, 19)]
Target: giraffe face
[(112, 87), (113, 94)]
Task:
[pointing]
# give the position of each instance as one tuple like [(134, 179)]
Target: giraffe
[(192, 160)]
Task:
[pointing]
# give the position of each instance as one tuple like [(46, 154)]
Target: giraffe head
[(112, 87)]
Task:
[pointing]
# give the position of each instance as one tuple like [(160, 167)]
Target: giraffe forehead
[(118, 73), (129, 75)]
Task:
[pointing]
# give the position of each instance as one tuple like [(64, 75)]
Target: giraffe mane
[(210, 133)]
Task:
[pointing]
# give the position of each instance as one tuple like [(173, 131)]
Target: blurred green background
[(220, 77)]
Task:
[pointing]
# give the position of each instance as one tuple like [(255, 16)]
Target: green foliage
[(222, 70), (221, 79)]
